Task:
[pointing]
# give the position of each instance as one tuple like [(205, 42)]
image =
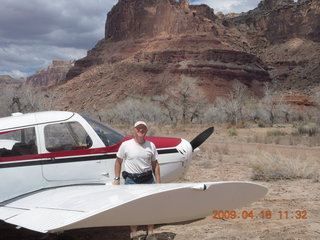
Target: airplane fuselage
[(51, 149)]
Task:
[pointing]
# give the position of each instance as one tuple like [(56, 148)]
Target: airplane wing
[(72, 207)]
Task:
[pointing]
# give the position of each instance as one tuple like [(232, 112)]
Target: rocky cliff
[(52, 75), (286, 36), (150, 44), (7, 81), (147, 19), (276, 21)]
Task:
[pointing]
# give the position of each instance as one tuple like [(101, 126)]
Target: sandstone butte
[(150, 44)]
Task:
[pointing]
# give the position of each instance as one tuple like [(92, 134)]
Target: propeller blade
[(198, 140)]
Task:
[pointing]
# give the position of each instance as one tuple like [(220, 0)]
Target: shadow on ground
[(9, 232)]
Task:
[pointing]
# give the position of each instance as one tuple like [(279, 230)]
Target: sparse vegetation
[(26, 100), (276, 132), (316, 177), (269, 167), (306, 129), (184, 103), (233, 131)]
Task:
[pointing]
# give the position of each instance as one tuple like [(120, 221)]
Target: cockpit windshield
[(108, 135)]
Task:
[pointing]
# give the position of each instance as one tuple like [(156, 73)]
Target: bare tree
[(286, 110), (189, 102), (30, 99), (6, 101), (232, 107), (270, 105), (132, 110), (240, 96), (25, 100), (168, 105)]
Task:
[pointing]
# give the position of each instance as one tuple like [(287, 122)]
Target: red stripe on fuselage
[(164, 142), (159, 142), (10, 131), (55, 155)]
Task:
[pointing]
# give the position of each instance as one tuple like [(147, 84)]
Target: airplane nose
[(173, 166)]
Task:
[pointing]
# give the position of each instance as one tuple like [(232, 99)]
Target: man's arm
[(156, 170), (117, 170)]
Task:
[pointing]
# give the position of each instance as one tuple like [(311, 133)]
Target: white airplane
[(57, 167)]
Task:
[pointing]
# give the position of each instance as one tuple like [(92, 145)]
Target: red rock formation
[(286, 36), (150, 44), (147, 19), (52, 75), (166, 39), (7, 81), (275, 21)]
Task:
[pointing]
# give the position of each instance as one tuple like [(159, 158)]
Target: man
[(139, 157)]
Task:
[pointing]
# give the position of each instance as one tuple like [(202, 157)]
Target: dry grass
[(281, 137), (267, 167)]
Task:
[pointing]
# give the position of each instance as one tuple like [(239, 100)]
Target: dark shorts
[(130, 181)]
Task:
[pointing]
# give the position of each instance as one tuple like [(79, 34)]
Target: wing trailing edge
[(73, 207)]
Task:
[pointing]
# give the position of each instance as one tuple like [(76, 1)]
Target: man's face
[(140, 130)]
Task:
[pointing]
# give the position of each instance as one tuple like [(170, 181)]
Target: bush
[(269, 167), (306, 129), (276, 133), (233, 131), (261, 123)]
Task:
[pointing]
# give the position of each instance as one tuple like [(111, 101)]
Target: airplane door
[(70, 158)]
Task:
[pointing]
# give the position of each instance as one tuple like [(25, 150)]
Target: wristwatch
[(117, 178)]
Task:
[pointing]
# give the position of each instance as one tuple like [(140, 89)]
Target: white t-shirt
[(136, 157)]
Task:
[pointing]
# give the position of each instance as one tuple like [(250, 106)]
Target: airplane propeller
[(198, 140)]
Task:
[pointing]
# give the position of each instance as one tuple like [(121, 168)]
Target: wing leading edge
[(73, 207)]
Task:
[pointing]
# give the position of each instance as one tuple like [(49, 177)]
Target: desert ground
[(291, 207)]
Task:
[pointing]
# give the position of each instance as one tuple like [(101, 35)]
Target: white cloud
[(227, 6), (25, 57), (15, 74), (35, 32)]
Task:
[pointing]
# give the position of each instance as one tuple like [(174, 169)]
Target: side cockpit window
[(108, 135), (66, 137), (18, 142)]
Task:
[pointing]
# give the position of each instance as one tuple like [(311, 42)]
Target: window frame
[(23, 142), (71, 132)]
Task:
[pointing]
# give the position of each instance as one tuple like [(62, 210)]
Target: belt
[(138, 177)]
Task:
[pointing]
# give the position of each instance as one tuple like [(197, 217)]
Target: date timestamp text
[(263, 214)]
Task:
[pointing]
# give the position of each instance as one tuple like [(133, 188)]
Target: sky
[(35, 32)]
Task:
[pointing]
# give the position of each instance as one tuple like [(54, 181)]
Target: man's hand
[(117, 170)]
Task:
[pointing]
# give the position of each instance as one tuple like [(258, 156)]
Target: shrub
[(261, 123), (233, 131), (269, 167), (316, 177), (306, 129), (275, 133)]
